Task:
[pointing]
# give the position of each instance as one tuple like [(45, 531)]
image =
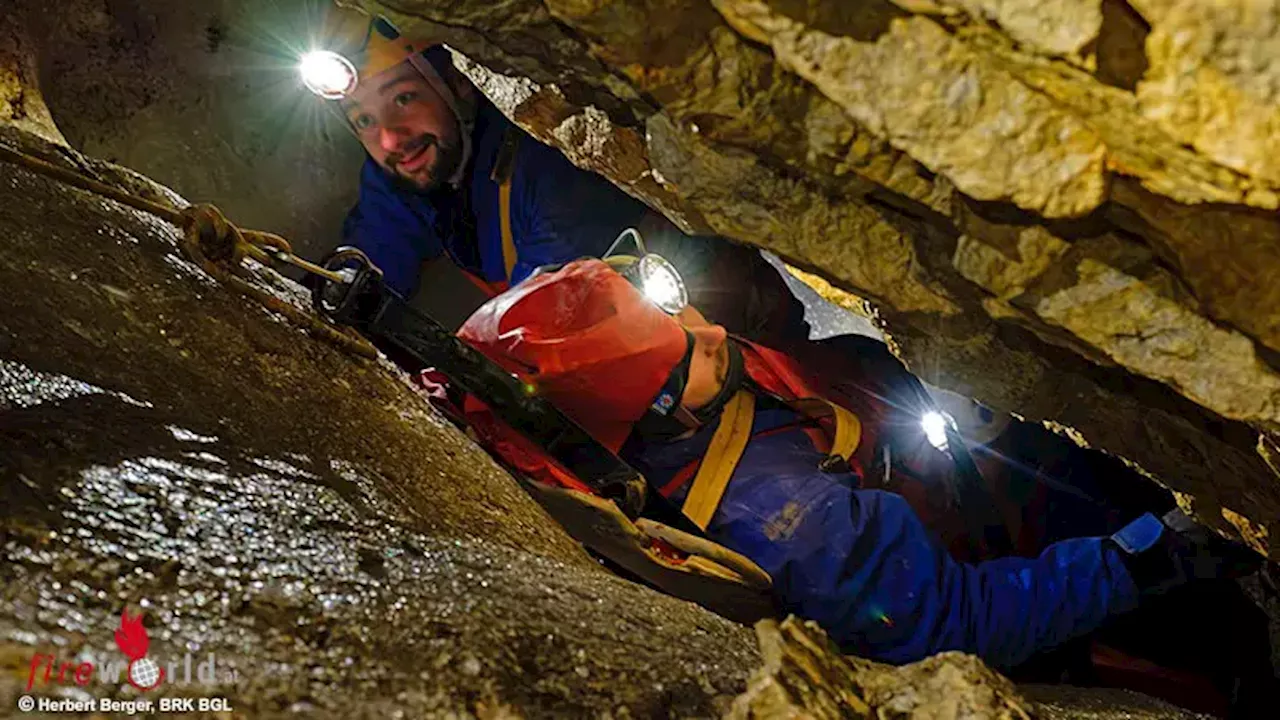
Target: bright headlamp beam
[(661, 283), (934, 425), (328, 74)]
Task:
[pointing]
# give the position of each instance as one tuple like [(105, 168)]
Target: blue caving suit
[(861, 564), (558, 213)]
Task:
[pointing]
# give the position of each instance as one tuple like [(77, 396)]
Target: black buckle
[(834, 464), (354, 302)]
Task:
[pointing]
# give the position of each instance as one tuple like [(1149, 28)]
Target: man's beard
[(442, 169)]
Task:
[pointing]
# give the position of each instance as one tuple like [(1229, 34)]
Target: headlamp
[(651, 274), (328, 74), (660, 282), (935, 425)]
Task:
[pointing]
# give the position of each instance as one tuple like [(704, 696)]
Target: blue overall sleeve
[(906, 598), (393, 227), (863, 565)]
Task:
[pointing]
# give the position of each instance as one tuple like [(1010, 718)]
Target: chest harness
[(838, 430)]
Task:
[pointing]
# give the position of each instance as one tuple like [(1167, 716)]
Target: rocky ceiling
[(1064, 208)]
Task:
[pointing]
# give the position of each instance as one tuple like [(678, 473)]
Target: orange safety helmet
[(586, 339)]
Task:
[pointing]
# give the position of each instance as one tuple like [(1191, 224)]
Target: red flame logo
[(132, 638)]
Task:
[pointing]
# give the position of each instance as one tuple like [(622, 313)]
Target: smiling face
[(406, 127)]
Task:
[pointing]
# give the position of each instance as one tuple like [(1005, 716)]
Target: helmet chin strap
[(677, 420), (734, 376), (465, 124)]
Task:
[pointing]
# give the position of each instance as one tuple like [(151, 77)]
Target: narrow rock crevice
[(1121, 45)]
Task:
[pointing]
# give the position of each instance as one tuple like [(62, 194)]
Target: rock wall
[(1064, 209), (205, 100), (21, 102), (802, 677)]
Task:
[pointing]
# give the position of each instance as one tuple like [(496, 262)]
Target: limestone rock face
[(1058, 27), (1064, 209), (1214, 80), (803, 676), (21, 103)]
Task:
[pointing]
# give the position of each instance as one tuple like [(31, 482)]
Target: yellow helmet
[(353, 45)]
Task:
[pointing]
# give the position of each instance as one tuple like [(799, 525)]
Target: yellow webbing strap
[(848, 432), (848, 427), (712, 575), (504, 168), (508, 242), (721, 459), (730, 440)]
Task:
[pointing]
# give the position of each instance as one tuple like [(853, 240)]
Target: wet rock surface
[(302, 517)]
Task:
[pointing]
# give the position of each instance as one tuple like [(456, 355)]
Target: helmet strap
[(732, 384), (667, 418)]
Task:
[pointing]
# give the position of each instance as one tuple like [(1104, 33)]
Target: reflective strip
[(1140, 535), (721, 459)]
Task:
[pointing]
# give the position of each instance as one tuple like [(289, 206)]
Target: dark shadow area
[(1120, 46), (994, 212), (864, 21), (1204, 647)]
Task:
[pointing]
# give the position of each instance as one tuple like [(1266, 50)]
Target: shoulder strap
[(730, 441), (504, 167), (848, 432), (721, 459)]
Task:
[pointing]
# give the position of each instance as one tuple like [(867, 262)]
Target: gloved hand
[(1163, 553), (434, 383), (441, 394)]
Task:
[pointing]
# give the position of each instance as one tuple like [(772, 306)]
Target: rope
[(72, 177), (214, 243)]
